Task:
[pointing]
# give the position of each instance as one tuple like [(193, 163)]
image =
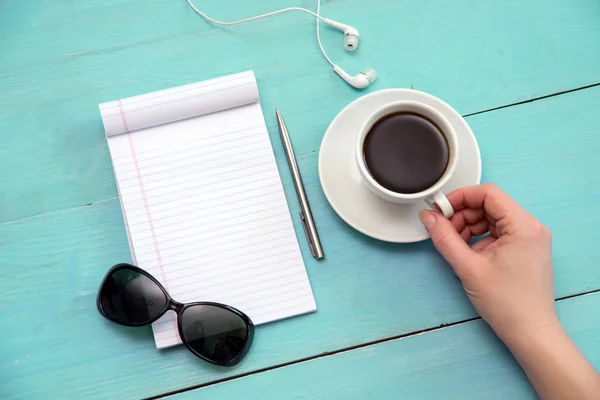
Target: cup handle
[(442, 202)]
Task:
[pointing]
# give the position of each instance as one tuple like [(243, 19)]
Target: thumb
[(447, 240)]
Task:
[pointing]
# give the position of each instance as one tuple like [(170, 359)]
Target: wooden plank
[(60, 59), (460, 362), (55, 345)]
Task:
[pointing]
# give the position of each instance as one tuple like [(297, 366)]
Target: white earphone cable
[(319, 34), (317, 15), (251, 18)]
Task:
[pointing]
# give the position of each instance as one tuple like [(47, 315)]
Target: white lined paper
[(203, 202)]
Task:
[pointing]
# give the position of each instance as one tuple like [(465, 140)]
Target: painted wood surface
[(59, 59), (459, 362), (55, 343)]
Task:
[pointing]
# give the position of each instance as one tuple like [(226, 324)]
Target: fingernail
[(427, 218)]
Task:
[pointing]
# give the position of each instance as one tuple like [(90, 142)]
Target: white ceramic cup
[(431, 196)]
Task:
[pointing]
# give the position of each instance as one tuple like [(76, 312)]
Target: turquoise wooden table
[(392, 320)]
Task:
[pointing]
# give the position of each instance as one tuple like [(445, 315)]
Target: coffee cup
[(406, 151)]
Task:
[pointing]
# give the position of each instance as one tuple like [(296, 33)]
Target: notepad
[(203, 202)]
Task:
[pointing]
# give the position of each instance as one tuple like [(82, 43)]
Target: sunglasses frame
[(178, 308)]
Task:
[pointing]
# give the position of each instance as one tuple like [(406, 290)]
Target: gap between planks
[(343, 350), (518, 103)]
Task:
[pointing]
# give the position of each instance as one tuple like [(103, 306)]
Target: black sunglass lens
[(131, 298), (215, 333)]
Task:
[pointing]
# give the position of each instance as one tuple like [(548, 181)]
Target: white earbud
[(360, 81), (350, 33)]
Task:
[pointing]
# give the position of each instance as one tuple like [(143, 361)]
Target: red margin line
[(143, 191)]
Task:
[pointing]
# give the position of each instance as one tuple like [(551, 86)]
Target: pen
[(308, 223)]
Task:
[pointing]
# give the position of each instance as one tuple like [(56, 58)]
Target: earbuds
[(360, 81), (363, 79)]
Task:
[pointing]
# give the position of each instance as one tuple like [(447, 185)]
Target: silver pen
[(308, 223)]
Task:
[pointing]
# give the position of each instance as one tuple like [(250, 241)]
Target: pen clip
[(307, 234)]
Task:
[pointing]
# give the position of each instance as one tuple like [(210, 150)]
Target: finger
[(476, 229), (479, 228), (494, 230), (488, 197), (465, 234), (447, 240), (483, 243), (466, 217)]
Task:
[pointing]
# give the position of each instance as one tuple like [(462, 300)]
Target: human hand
[(507, 274)]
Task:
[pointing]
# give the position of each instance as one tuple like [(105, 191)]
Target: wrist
[(530, 332), (552, 362)]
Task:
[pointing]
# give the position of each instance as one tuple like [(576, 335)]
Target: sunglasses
[(215, 332)]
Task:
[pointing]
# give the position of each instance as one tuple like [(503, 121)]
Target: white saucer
[(353, 201)]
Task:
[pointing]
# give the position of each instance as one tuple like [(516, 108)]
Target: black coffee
[(406, 152)]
